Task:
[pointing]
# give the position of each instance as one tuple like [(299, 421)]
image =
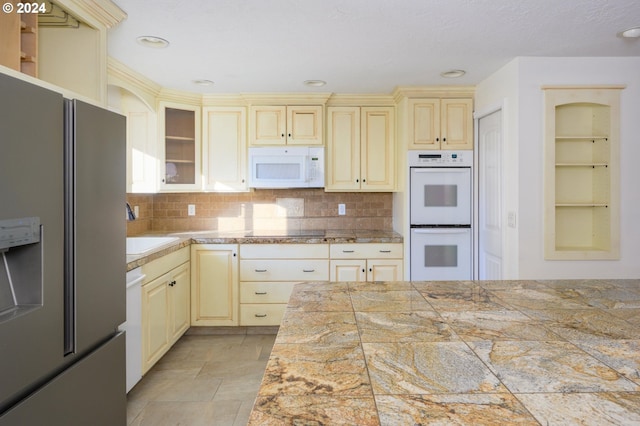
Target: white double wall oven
[(441, 194)]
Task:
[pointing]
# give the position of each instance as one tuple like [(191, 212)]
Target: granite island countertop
[(467, 353), (261, 237)]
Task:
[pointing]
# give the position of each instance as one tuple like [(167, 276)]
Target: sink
[(141, 245)]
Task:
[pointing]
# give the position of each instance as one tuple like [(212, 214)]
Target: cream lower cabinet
[(366, 262), (214, 284), (268, 273), (360, 149), (165, 305)]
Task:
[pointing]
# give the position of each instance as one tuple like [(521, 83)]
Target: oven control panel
[(440, 158)]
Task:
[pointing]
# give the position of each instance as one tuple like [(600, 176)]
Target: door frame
[(477, 116)]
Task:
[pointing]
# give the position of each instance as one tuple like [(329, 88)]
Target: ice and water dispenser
[(20, 266)]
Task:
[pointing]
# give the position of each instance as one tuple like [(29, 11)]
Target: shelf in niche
[(176, 161), (179, 139)]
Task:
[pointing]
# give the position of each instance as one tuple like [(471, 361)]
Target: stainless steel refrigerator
[(62, 259)]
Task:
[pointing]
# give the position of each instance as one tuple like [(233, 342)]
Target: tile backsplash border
[(264, 209)]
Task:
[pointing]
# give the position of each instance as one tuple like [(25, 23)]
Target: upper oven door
[(440, 196)]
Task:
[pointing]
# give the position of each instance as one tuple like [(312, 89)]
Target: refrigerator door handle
[(69, 226)]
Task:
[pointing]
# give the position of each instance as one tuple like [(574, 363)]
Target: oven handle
[(441, 231), (441, 169)]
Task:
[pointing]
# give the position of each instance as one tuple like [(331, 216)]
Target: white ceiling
[(359, 46)]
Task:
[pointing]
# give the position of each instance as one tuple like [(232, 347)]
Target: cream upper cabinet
[(441, 124), (360, 149), (142, 158), (582, 173), (214, 284), (285, 125), (224, 150), (180, 146)]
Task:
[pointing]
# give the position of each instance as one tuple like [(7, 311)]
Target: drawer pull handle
[(260, 292), (260, 315), (385, 251), (260, 270), (348, 251), (308, 270)]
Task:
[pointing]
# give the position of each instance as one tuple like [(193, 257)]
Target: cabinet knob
[(260, 315), (364, 180), (385, 251), (348, 251), (363, 270), (370, 269), (282, 135), (437, 139), (444, 140), (234, 255), (357, 180), (260, 270), (289, 134), (308, 270), (260, 292)]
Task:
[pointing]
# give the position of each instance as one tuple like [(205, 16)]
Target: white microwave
[(286, 167)]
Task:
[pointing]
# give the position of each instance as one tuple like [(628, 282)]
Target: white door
[(490, 197)]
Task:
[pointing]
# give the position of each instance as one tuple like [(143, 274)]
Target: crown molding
[(360, 99), (401, 92), (285, 98), (103, 12), (118, 74)]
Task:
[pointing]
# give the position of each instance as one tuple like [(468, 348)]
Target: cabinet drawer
[(284, 270), (265, 292), (262, 314), (366, 251), (284, 251)]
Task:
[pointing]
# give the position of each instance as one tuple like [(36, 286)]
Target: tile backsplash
[(263, 209)]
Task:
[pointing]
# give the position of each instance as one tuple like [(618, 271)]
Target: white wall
[(525, 127), (500, 90)]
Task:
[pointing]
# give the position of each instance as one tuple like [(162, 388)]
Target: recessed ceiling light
[(315, 83), (152, 41), (453, 73), (203, 82), (630, 33)]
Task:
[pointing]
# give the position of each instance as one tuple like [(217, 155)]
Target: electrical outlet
[(191, 210), (136, 211), (511, 219), (342, 209)]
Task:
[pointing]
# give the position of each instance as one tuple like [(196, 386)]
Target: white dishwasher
[(133, 327)]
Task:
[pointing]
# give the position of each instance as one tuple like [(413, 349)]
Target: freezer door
[(31, 186), (99, 226), (92, 392)]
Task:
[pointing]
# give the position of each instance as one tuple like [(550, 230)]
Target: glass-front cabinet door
[(180, 130)]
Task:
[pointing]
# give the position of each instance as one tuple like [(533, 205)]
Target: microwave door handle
[(441, 231)]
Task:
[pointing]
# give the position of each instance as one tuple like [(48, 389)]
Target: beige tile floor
[(202, 380)]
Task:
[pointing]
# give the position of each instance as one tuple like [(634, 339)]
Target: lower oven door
[(439, 254)]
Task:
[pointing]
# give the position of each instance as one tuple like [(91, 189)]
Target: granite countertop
[(261, 237), (472, 352)]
